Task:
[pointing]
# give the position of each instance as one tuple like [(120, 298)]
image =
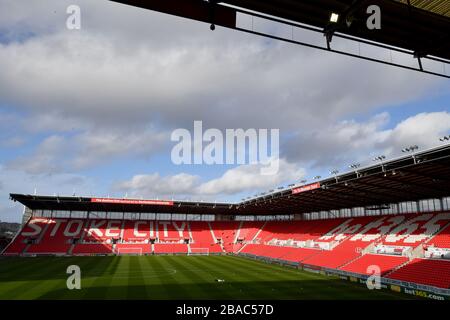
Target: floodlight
[(334, 17)]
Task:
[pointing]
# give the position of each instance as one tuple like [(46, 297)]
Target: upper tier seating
[(442, 239), (138, 231), (172, 230), (102, 230), (31, 230), (249, 229), (416, 229), (57, 237), (202, 237), (226, 231)]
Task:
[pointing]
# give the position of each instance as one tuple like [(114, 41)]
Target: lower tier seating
[(133, 248), (423, 271), (211, 247), (384, 263), (170, 248), (340, 255), (277, 252), (92, 248)]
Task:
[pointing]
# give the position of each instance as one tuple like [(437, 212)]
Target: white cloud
[(423, 129), (351, 141), (117, 87), (158, 68), (18, 181), (97, 147), (44, 159), (155, 185), (249, 178), (244, 178)]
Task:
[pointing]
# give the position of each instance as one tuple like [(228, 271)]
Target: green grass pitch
[(172, 277)]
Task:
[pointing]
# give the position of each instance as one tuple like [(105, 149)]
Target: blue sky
[(91, 111)]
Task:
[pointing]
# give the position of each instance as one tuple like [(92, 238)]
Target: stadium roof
[(441, 7), (424, 175), (423, 27)]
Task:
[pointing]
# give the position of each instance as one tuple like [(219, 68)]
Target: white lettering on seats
[(70, 224), (341, 231), (165, 224), (180, 229), (405, 229), (113, 228), (430, 228), (37, 229), (379, 226), (340, 228), (94, 227), (152, 228), (55, 228), (136, 232)]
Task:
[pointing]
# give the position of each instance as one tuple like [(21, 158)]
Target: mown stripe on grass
[(221, 290), (252, 283), (50, 274), (117, 286), (86, 264), (15, 272), (166, 281), (136, 287), (198, 280), (102, 279), (154, 284)]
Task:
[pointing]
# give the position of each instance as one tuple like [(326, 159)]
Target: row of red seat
[(425, 271), (397, 230), (54, 235)]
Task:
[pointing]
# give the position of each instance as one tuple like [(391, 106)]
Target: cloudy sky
[(91, 111)]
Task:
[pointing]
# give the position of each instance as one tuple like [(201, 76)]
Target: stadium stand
[(92, 248), (102, 230), (202, 237), (394, 243), (172, 231), (423, 271), (442, 239), (138, 231), (336, 257), (225, 232), (279, 252), (134, 248), (170, 248), (57, 237), (385, 263)]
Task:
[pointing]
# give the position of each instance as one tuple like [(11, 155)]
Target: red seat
[(171, 248), (92, 248), (383, 262), (423, 271)]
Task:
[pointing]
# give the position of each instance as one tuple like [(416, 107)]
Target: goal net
[(135, 251), (199, 252)]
